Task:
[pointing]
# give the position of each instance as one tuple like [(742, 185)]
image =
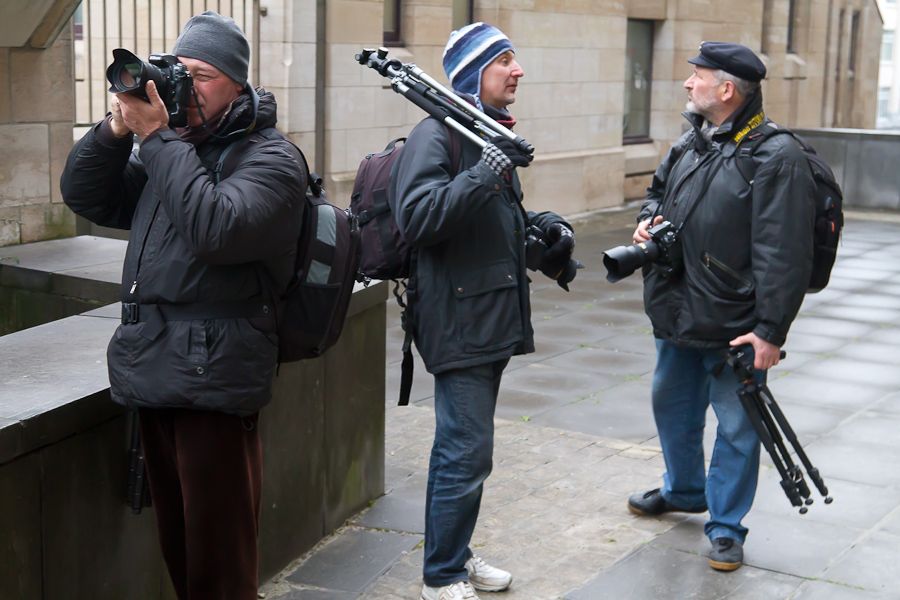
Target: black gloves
[(501, 155), (552, 255)]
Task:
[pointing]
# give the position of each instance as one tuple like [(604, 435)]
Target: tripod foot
[(828, 499), (803, 510)]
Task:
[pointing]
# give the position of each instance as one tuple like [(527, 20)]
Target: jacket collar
[(749, 114)]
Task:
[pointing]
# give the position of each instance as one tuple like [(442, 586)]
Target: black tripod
[(767, 418)]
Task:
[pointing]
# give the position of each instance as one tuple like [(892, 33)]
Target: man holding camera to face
[(735, 275), (197, 349), (469, 309)]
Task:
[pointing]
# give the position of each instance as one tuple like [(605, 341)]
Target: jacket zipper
[(726, 273)]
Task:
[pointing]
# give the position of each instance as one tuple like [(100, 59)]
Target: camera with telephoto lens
[(128, 74), (663, 249)]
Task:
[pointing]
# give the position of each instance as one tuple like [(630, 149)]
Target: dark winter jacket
[(216, 250), (469, 291), (747, 248)]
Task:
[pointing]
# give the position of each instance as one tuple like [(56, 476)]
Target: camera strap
[(699, 197)]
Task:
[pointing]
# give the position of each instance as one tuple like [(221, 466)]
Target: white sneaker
[(486, 578), (461, 590)]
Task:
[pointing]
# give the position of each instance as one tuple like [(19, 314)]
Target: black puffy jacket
[(212, 248), (469, 293), (747, 248)]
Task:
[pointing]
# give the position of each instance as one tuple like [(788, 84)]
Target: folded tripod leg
[(766, 435), (813, 472)]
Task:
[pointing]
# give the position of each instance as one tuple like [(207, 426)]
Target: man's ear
[(729, 91)]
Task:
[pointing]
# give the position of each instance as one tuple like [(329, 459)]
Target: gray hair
[(743, 87)]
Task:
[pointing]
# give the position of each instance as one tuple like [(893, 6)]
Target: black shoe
[(652, 503), (727, 554)]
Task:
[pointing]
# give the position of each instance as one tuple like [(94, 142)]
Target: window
[(854, 41), (393, 11), (765, 45), (884, 97), (887, 45), (638, 70), (791, 29), (463, 11)]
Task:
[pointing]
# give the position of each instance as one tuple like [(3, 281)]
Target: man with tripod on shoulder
[(468, 299), (744, 248)]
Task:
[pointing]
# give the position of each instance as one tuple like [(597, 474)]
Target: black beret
[(738, 60)]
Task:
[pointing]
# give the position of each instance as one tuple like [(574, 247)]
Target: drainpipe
[(321, 52)]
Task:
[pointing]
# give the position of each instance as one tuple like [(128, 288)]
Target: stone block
[(302, 65), (5, 97), (20, 522), (355, 21), (10, 231), (60, 144), (425, 24), (635, 186), (47, 222), (301, 108), (342, 69), (291, 520), (87, 528), (350, 107), (646, 9), (24, 164), (354, 426), (32, 76)]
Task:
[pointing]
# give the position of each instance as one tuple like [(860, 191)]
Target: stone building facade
[(600, 101)]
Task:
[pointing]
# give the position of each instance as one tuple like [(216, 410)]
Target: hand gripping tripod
[(441, 103), (767, 418)]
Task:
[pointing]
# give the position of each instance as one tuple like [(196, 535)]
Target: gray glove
[(501, 155)]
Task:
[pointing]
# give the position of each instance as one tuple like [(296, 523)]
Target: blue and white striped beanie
[(469, 50)]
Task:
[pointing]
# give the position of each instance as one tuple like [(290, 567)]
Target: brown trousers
[(205, 472)]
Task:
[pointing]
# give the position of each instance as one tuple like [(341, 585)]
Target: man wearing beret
[(745, 247), (197, 349), (468, 295)]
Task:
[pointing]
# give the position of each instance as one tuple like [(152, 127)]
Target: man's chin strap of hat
[(254, 99)]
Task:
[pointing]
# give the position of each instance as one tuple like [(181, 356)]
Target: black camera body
[(663, 249), (129, 74)]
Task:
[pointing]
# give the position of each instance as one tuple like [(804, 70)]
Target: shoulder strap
[(745, 163)]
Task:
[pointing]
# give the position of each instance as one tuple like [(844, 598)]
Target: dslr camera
[(129, 74), (663, 249)]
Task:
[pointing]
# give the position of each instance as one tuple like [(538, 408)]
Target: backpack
[(384, 252), (829, 199), (311, 312)]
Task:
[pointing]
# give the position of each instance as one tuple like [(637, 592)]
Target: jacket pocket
[(725, 281), (487, 307)]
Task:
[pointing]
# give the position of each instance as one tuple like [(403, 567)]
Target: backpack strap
[(406, 367), (746, 166)]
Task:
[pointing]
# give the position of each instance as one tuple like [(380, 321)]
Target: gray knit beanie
[(216, 40)]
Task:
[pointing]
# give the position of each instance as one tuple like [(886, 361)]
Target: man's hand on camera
[(502, 155), (139, 116), (642, 234), (766, 354)]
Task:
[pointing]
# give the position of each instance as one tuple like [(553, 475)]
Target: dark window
[(854, 41), (393, 11), (463, 11), (78, 23), (765, 44), (638, 77), (791, 29)]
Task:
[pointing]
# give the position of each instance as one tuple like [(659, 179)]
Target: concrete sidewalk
[(575, 436)]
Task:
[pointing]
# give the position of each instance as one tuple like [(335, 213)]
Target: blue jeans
[(461, 459), (684, 385)]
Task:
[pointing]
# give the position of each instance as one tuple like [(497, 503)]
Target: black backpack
[(829, 200), (384, 252), (311, 313)]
